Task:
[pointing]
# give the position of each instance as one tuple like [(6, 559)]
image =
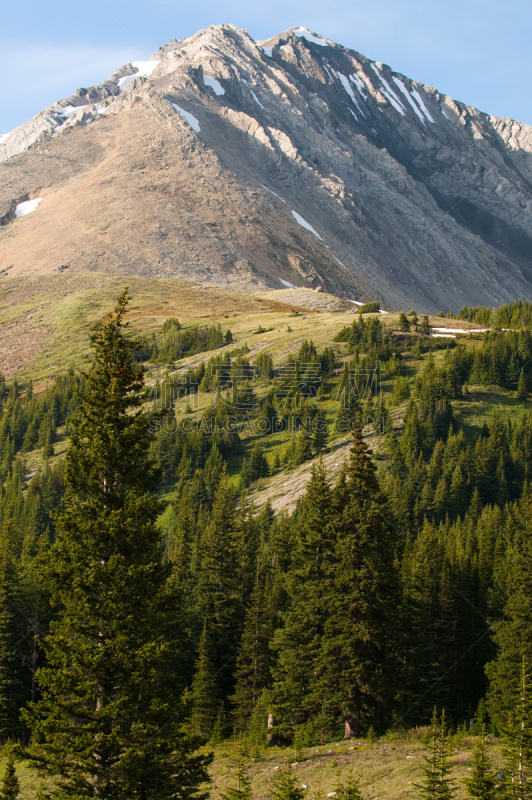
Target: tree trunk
[(352, 724)]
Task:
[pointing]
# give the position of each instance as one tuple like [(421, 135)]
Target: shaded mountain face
[(251, 165)]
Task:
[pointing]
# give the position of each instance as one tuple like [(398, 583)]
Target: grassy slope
[(45, 322), (388, 769)]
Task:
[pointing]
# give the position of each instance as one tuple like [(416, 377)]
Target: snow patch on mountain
[(254, 96), (304, 224), (303, 33), (190, 118), (347, 86), (215, 85), (144, 69), (275, 195), (69, 111), (287, 283), (27, 207), (268, 51), (359, 83), (406, 93), (423, 107), (388, 92)]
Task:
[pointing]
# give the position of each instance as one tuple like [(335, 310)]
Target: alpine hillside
[(256, 165)]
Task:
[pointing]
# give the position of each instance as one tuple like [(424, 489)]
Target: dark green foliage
[(512, 633), (110, 719), (242, 788), (401, 391), (10, 789), (522, 386), (425, 328), (178, 342), (320, 433), (284, 786), (372, 307), (437, 784), (204, 692), (355, 663), (482, 784), (349, 610), (254, 658), (403, 323), (517, 314), (348, 789), (517, 752), (333, 657), (258, 465)]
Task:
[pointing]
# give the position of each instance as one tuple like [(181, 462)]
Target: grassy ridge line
[(45, 320)]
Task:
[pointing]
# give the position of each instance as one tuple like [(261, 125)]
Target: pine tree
[(203, 692), (403, 323), (12, 614), (285, 786), (297, 641), (517, 769), (512, 633), (437, 784), (304, 445), (320, 433), (425, 328), (10, 784), (348, 789), (522, 388), (218, 585), (356, 663), (482, 785), (254, 657), (242, 789), (110, 721)]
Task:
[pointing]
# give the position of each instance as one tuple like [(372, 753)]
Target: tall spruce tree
[(13, 633), (517, 771), (110, 721), (513, 633), (356, 662), (254, 657), (204, 691), (296, 695)]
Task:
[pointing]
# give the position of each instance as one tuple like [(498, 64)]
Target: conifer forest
[(159, 608)]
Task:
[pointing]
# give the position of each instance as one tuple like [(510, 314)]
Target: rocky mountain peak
[(291, 161)]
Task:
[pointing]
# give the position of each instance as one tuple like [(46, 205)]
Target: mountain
[(255, 165)]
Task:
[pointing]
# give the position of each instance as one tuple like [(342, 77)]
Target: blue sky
[(478, 51)]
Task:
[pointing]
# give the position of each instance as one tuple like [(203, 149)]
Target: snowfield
[(215, 85), (144, 69), (304, 224), (26, 208), (190, 118), (254, 96), (69, 111), (303, 33)]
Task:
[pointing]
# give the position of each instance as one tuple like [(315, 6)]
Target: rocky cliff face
[(294, 161)]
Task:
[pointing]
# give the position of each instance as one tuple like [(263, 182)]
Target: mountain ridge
[(289, 161)]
